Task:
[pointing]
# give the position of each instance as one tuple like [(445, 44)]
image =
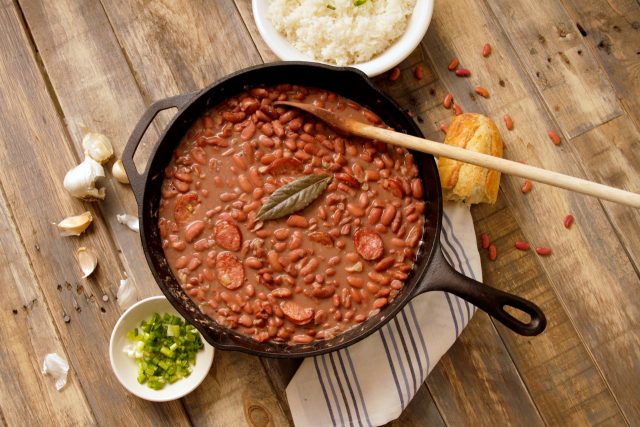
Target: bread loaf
[(463, 181)]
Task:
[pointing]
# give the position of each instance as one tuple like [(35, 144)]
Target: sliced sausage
[(297, 314), (368, 244), (229, 270), (285, 166), (227, 235), (186, 204)]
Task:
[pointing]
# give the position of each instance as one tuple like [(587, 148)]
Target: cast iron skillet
[(431, 271)]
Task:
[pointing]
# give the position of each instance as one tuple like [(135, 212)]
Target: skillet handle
[(442, 277), (137, 180)]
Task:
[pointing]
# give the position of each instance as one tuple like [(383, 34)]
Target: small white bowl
[(395, 54), (125, 367)]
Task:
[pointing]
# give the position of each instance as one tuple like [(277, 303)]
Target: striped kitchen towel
[(371, 382)]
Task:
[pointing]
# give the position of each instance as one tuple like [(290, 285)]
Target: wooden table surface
[(568, 65)]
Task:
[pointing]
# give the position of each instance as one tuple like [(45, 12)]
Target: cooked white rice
[(337, 31)]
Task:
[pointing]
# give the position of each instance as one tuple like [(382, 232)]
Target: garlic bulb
[(126, 294), (118, 172), (75, 225), (130, 221), (87, 260), (97, 146), (80, 181)]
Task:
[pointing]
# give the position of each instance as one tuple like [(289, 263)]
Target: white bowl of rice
[(371, 35)]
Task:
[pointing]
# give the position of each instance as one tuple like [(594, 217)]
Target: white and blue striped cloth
[(371, 382)]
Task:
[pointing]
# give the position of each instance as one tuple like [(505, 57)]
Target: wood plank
[(554, 55), (243, 398), (246, 12), (28, 333), (476, 383), (610, 154), (581, 277), (421, 411), (31, 176), (557, 369), (612, 31)]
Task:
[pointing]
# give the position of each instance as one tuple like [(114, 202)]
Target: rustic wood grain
[(243, 398), (421, 411), (246, 12), (32, 180), (612, 31), (28, 333), (557, 369), (555, 57), (584, 280)]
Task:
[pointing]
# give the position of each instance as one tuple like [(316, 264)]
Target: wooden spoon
[(508, 167)]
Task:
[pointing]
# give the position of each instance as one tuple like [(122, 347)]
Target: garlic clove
[(357, 267), (97, 146), (126, 294), (87, 260), (57, 367), (130, 221), (80, 181), (118, 172), (75, 225)]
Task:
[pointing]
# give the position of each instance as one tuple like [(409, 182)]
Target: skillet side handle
[(136, 179), (442, 277)]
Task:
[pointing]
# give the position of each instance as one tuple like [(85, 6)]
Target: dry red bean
[(523, 246), (493, 252), (419, 72), (486, 50), (486, 240), (453, 64), (482, 91), (508, 121), (463, 72), (543, 250), (526, 187), (193, 230), (554, 137), (444, 127), (448, 100), (297, 221), (394, 74), (457, 109), (568, 221)]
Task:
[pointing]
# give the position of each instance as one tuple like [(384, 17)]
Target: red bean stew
[(307, 276)]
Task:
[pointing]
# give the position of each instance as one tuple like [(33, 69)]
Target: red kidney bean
[(297, 221), (481, 91), (380, 228), (310, 266), (486, 50), (419, 72), (355, 210), (508, 122), (457, 109), (194, 263), (486, 241), (272, 257), (379, 278), (526, 187), (568, 221), (554, 137), (394, 74), (181, 262), (384, 263), (193, 230), (543, 250), (355, 281), (453, 64), (388, 215), (380, 302), (523, 246), (463, 72), (493, 252)]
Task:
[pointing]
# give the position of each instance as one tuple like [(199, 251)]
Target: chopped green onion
[(164, 348), (330, 6), (359, 2)]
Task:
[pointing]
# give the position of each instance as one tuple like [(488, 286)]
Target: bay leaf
[(294, 196)]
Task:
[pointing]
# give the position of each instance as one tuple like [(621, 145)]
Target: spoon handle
[(508, 167)]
